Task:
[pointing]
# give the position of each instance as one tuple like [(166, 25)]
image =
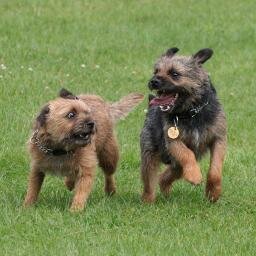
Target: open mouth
[(164, 99), (82, 136)]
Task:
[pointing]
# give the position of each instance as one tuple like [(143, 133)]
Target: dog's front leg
[(35, 180), (149, 167), (186, 158), (83, 187), (213, 186)]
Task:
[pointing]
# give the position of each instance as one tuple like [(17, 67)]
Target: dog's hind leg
[(108, 159), (167, 178), (214, 177), (149, 167), (35, 182), (69, 182)]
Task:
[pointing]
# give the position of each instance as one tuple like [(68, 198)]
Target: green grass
[(43, 45)]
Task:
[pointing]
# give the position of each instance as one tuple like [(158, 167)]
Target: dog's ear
[(42, 117), (67, 94), (170, 52), (203, 55)]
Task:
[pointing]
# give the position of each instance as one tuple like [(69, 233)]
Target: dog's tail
[(121, 108)]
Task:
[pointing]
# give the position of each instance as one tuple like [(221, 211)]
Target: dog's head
[(65, 122), (179, 81)]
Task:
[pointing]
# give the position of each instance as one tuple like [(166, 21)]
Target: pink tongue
[(162, 100)]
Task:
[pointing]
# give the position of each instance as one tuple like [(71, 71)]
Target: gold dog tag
[(173, 132)]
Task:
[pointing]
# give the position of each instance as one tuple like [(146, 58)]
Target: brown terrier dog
[(184, 120), (70, 134)]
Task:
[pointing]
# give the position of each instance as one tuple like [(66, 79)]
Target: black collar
[(48, 151), (59, 152), (192, 112)]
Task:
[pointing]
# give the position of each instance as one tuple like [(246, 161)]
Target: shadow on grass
[(183, 196)]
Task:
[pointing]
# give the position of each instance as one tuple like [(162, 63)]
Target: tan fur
[(186, 158), (121, 108), (214, 177), (79, 167)]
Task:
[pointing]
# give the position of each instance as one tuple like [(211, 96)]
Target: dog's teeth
[(87, 136)]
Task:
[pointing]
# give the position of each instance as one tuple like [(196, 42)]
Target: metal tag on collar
[(164, 108), (34, 140), (173, 131)]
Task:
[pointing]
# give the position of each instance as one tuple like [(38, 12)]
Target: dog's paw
[(26, 204), (192, 174), (29, 201), (76, 207), (213, 189), (148, 198), (110, 187), (110, 191)]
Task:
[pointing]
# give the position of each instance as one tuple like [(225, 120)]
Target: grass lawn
[(108, 48)]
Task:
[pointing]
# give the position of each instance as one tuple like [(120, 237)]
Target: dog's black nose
[(90, 125), (154, 83)]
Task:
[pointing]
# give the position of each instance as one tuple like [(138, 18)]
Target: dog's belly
[(166, 158)]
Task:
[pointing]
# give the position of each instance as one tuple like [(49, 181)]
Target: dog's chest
[(191, 137), (59, 165), (195, 138)]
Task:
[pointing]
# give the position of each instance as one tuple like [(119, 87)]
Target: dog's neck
[(46, 149), (193, 111)]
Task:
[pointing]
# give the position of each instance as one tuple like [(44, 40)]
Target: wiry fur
[(121, 108), (205, 131), (54, 130)]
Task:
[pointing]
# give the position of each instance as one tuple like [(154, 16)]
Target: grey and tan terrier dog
[(184, 121)]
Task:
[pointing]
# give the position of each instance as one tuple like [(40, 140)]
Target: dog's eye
[(71, 115), (174, 74), (156, 71)]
